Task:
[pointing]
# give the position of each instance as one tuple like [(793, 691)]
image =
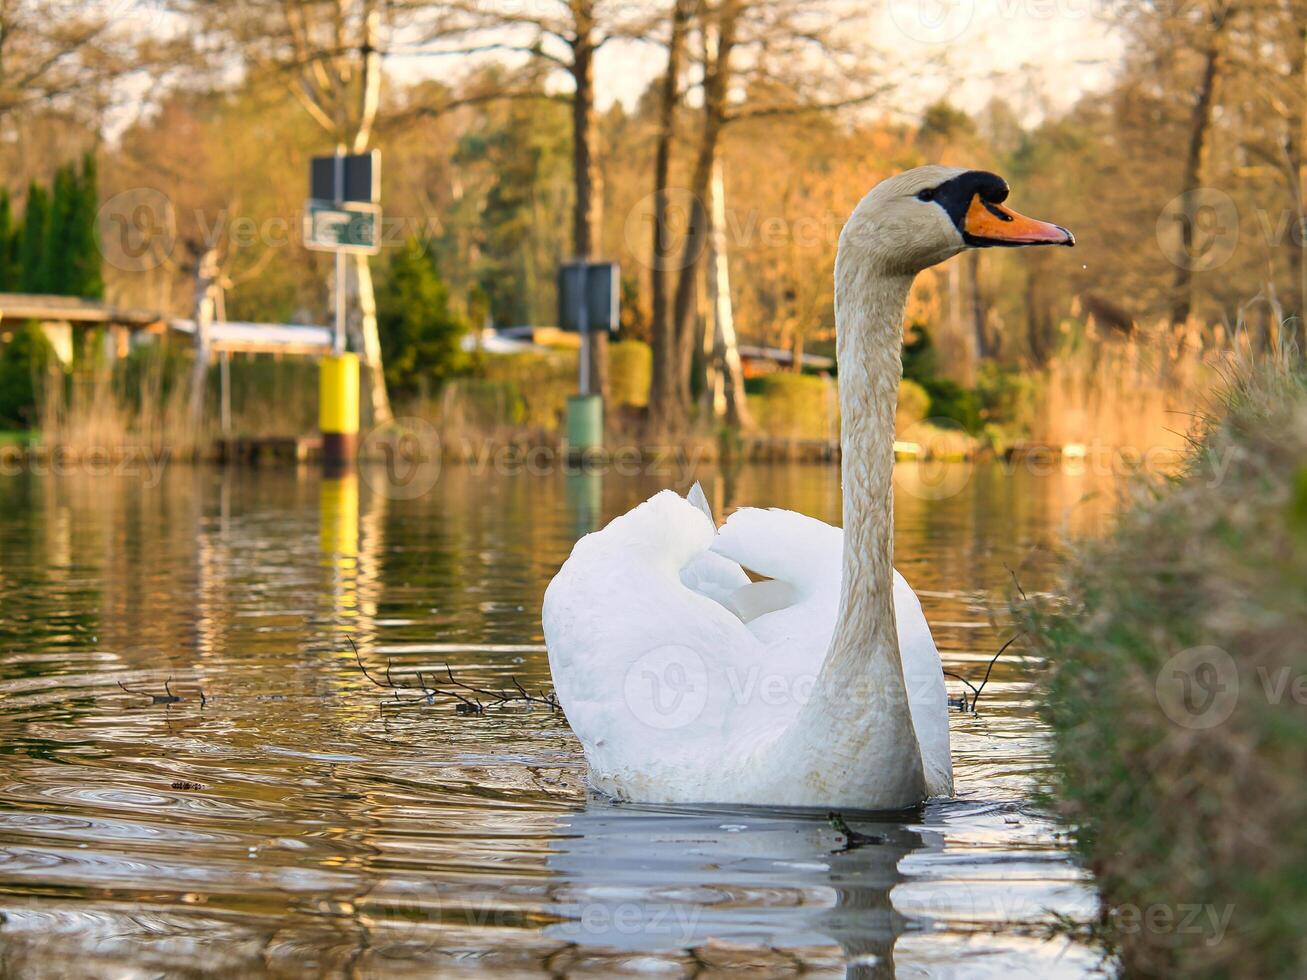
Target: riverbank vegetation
[(1177, 694), (1120, 397)]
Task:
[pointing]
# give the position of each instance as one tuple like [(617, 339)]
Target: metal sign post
[(587, 300), (342, 216), (583, 328), (338, 185)]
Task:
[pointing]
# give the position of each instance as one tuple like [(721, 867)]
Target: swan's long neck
[(869, 318), (854, 739)]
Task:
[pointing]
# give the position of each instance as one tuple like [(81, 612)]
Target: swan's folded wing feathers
[(714, 576), (782, 545), (627, 639), (665, 528), (697, 497)]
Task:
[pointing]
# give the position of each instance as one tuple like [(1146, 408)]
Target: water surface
[(288, 823)]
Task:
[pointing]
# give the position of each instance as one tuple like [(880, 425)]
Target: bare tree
[(721, 25), (1274, 62), (328, 54), (566, 36), (52, 54), (1176, 32), (790, 56), (663, 390)]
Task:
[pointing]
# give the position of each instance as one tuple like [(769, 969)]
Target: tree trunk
[(587, 208), (369, 100), (1293, 154), (206, 288), (729, 368), (1200, 124), (980, 342), (369, 338), (1039, 334), (956, 326), (665, 411), (716, 85)]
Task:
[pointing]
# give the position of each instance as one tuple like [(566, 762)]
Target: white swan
[(821, 686)]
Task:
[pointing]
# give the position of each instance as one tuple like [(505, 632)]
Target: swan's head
[(921, 217)]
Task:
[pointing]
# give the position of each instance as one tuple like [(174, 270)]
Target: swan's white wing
[(713, 576), (784, 545), (646, 668), (801, 556), (697, 497), (923, 674), (807, 555)]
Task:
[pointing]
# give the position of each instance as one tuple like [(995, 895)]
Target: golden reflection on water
[(285, 825)]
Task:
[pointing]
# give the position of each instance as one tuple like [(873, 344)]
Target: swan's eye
[(927, 195)]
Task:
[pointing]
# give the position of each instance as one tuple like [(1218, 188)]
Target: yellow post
[(338, 410)]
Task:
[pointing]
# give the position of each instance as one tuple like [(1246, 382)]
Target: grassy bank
[(1177, 694)]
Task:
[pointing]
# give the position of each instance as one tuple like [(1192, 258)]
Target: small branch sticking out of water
[(469, 703), (167, 697), (961, 702)]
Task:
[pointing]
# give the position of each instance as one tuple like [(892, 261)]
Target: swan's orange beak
[(990, 224)]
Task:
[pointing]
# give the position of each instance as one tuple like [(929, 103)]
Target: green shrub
[(1006, 397), (913, 405), (1176, 758), (420, 334), (539, 384), (795, 406), (486, 404), (24, 363), (630, 372), (949, 400)]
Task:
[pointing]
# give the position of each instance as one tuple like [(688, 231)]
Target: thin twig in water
[(167, 698), (1001, 651), (975, 691), (1017, 583), (428, 693), (961, 702)]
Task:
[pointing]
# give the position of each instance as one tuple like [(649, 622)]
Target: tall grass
[(87, 412), (1137, 392), (143, 402)]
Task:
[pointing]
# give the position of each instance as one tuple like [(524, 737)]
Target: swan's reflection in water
[(752, 887)]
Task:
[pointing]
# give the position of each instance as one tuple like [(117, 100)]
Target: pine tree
[(420, 334), (8, 241), (86, 276), (36, 226), (58, 254)]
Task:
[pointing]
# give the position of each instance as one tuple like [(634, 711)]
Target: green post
[(585, 424)]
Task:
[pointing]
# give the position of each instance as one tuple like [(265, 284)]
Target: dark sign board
[(587, 296), (346, 178)]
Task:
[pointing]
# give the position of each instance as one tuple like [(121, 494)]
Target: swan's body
[(687, 695), (821, 686)]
